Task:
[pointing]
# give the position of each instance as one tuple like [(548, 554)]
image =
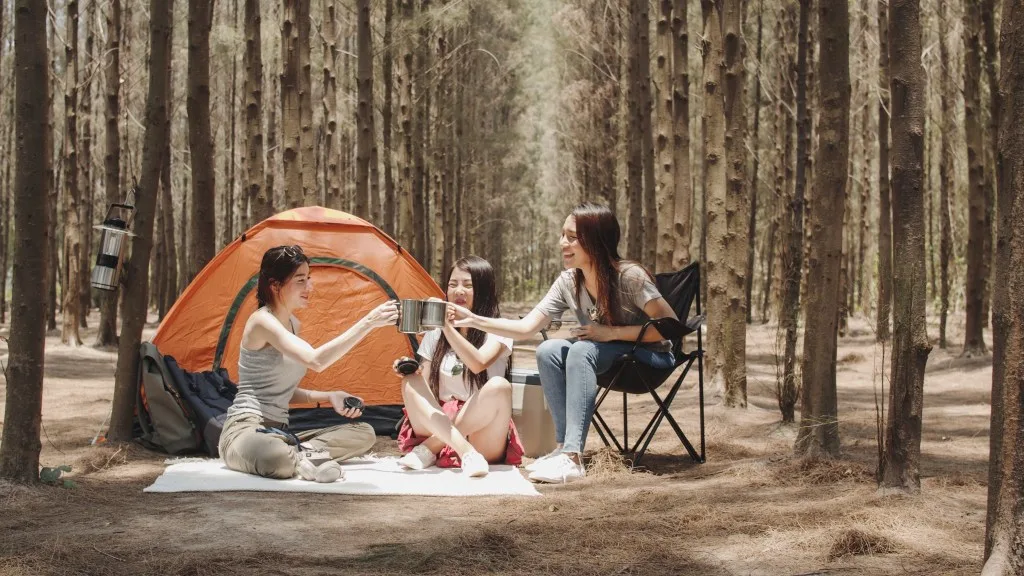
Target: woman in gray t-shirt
[(611, 298)]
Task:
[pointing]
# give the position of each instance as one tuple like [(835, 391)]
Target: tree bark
[(330, 104), (166, 206), (634, 136), (902, 449), (991, 40), (420, 110), (387, 71), (290, 117), (945, 171), (884, 204), (666, 238), (137, 284), (974, 341), (794, 252), (200, 139), (261, 203), (403, 149), (6, 222), (107, 332), (650, 240), (88, 191), (682, 222), (72, 264), (52, 190), (305, 87), (364, 109), (818, 436), (756, 145), (19, 452)]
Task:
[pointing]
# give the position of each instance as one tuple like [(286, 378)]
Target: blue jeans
[(568, 373)]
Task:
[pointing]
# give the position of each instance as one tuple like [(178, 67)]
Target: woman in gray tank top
[(271, 363)]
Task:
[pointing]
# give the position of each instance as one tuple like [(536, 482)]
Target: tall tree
[(52, 189), (290, 118), (1003, 553), (634, 135), (663, 77), (305, 88), (72, 264), (974, 341), (137, 285), (756, 144), (884, 203), (364, 110), (202, 245), (650, 226), (946, 175), (794, 252), (403, 148), (330, 103), (19, 452), (88, 189), (261, 203), (683, 185), (902, 449), (387, 71), (819, 425), (107, 332)]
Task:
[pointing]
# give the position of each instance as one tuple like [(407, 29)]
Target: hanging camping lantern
[(106, 275)]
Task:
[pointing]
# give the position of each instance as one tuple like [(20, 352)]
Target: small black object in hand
[(353, 403), (408, 366)]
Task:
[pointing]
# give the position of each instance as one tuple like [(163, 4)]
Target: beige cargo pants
[(270, 455)]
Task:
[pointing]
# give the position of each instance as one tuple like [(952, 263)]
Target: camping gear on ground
[(177, 411), (114, 233), (415, 316), (357, 267), (630, 376), (531, 414), (366, 476)]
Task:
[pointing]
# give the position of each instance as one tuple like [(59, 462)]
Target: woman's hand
[(384, 315), (337, 400), (394, 366), (594, 332), (461, 317)]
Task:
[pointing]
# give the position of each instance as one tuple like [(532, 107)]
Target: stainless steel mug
[(433, 314), (409, 313)]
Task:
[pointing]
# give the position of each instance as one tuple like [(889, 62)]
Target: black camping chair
[(630, 376)]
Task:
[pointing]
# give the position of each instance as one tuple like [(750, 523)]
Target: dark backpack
[(180, 412)]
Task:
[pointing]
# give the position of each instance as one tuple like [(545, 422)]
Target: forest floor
[(752, 509)]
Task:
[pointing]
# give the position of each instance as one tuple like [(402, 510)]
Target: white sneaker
[(540, 461), (329, 471), (559, 469), (475, 465), (419, 458)]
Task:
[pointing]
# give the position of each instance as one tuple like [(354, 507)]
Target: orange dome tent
[(355, 267)]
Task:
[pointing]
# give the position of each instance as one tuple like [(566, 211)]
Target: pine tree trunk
[(884, 205), (200, 139), (819, 426), (865, 174), (52, 189), (792, 265), (329, 35), (634, 137), (387, 70), (364, 110), (421, 108), (5, 222), (988, 19), (945, 171), (682, 222), (666, 238), (290, 118), (902, 449), (72, 263), (261, 203), (269, 204), (88, 190), (650, 221), (305, 87), (756, 145), (166, 206), (1003, 551), (137, 285), (229, 191), (107, 332), (19, 452), (974, 342), (403, 149)]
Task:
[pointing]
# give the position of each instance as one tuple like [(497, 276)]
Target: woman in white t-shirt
[(461, 413)]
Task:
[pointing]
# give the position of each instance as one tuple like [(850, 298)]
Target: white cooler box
[(531, 414)]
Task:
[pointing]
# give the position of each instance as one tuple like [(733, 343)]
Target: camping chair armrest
[(669, 328)]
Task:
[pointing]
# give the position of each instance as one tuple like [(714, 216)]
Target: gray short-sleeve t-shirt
[(636, 289)]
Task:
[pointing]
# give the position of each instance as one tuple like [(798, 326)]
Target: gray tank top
[(266, 381)]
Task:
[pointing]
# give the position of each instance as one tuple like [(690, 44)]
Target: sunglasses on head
[(288, 252)]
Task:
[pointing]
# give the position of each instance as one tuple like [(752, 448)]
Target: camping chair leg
[(648, 433), (664, 412), (599, 423), (625, 422)]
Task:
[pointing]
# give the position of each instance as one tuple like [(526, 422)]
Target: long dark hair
[(598, 233), (278, 265), (485, 303)]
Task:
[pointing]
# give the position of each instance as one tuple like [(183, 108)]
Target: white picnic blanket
[(368, 476)]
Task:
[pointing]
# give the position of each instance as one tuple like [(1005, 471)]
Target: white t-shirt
[(457, 386)]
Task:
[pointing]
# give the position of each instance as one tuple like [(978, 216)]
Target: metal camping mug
[(433, 314), (409, 316)]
